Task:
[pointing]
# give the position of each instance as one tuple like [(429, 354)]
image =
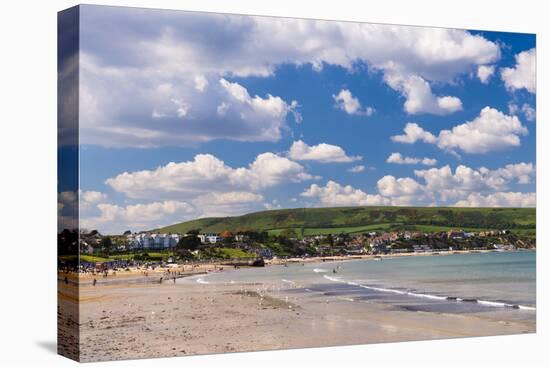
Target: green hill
[(310, 221)]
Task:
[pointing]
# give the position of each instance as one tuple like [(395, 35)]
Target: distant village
[(261, 244)]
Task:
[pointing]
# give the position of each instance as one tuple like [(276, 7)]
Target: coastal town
[(196, 245)]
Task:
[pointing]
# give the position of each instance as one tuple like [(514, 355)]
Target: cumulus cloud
[(203, 186), (324, 153), (433, 186), (491, 130), (351, 105), (357, 169), (130, 73), (114, 218), (402, 191), (334, 194), (523, 172), (414, 133), (108, 217), (397, 158), (226, 203), (92, 197), (441, 185), (484, 73), (500, 199), (464, 180), (420, 99), (206, 173), (523, 74), (135, 108)]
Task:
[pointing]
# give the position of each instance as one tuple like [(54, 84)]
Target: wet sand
[(144, 320)]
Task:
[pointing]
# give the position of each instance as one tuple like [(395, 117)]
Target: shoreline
[(136, 274), (382, 256)]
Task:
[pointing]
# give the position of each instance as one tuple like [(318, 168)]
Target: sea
[(457, 283)]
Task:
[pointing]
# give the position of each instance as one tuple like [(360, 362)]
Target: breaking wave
[(431, 296)]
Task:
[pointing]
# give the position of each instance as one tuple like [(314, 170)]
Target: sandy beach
[(126, 320)]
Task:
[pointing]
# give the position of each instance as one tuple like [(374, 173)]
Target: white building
[(209, 238), (153, 240)]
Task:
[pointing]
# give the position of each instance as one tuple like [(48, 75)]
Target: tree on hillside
[(189, 243), (106, 244)]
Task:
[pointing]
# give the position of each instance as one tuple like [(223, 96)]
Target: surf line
[(431, 296)]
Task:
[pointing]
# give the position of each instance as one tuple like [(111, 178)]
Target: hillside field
[(312, 221)]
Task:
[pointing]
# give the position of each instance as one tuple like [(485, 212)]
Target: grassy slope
[(359, 219)]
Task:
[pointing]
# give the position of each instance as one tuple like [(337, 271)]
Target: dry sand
[(126, 321)]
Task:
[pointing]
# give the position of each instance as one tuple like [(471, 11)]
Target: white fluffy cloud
[(398, 158), (351, 105), (484, 73), (448, 185), (226, 203), (403, 191), (205, 174), (130, 73), (116, 219), (523, 74), (204, 186), (523, 173), (500, 199), (256, 45), (414, 133), (357, 169), (442, 186), (127, 107), (324, 153), (435, 186), (491, 130), (92, 197), (420, 98), (113, 218), (334, 194)]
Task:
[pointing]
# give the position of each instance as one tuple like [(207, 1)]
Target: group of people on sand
[(167, 274)]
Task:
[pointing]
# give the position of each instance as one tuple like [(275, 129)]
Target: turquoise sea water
[(453, 283)]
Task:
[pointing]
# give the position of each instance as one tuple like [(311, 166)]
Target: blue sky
[(259, 113)]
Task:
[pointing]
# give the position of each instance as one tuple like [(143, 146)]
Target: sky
[(186, 115)]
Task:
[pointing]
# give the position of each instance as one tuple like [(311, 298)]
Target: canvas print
[(232, 183)]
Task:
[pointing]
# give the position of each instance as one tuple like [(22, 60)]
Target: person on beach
[(95, 281)]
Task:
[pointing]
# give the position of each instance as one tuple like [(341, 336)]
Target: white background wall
[(28, 181)]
